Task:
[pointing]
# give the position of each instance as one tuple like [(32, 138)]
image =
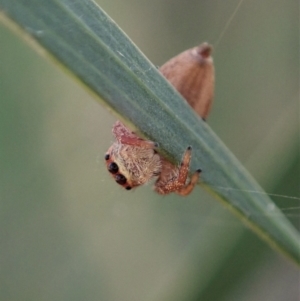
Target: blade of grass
[(83, 39)]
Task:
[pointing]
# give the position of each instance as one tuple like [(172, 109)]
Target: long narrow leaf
[(80, 36)]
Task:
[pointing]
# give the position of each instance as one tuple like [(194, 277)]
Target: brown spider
[(133, 161)]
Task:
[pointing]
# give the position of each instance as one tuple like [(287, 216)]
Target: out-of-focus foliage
[(113, 247)]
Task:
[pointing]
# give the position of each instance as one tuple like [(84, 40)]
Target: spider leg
[(125, 136), (173, 178), (185, 165), (188, 188)]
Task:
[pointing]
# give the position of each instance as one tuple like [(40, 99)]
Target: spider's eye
[(113, 167), (106, 157), (127, 187), (120, 179)]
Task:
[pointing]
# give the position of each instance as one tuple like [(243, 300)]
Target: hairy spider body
[(133, 161), (138, 165)]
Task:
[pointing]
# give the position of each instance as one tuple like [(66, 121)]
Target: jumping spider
[(133, 161)]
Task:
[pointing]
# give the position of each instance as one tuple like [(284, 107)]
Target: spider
[(133, 161)]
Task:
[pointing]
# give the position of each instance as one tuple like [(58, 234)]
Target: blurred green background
[(68, 232)]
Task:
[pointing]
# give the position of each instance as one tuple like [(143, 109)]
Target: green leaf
[(83, 39)]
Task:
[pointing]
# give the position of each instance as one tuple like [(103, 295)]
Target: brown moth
[(133, 161)]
